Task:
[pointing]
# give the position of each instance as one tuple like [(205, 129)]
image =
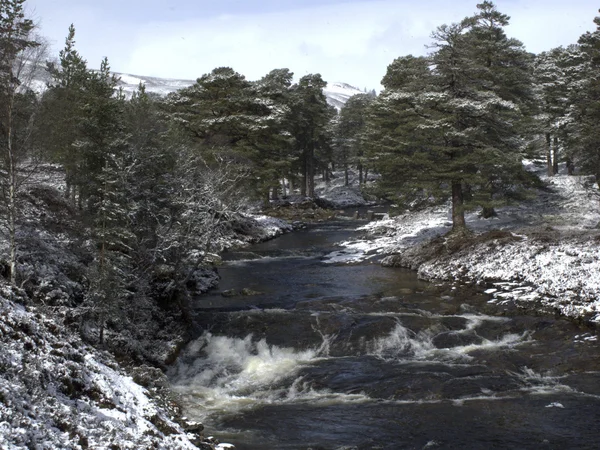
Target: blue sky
[(344, 40)]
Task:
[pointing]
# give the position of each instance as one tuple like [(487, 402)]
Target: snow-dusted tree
[(62, 106), (15, 39), (588, 104), (349, 130), (559, 80), (223, 114), (100, 133), (455, 116), (274, 153), (310, 118), (205, 201)]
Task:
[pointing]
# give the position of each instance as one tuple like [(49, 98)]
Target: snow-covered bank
[(58, 392), (548, 255), (338, 194)]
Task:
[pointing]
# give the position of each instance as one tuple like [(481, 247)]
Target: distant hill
[(337, 93)]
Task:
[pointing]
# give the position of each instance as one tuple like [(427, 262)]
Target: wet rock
[(149, 377), (392, 261), (193, 427), (452, 339), (324, 203), (230, 293)]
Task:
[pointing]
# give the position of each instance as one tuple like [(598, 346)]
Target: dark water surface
[(364, 357)]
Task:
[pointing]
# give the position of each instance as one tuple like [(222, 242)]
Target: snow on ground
[(58, 392), (339, 195), (552, 259)]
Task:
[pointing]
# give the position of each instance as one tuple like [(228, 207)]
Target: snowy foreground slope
[(58, 393), (56, 390), (547, 253)]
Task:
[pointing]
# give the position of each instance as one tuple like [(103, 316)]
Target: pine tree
[(559, 75), (348, 134), (456, 115), (310, 117), (588, 106), (100, 133), (15, 38), (274, 140), (61, 112)]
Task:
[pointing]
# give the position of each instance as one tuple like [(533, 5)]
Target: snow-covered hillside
[(161, 86), (337, 93)]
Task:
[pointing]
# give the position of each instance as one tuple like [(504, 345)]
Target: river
[(337, 356)]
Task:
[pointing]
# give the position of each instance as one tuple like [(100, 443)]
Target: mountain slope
[(337, 93)]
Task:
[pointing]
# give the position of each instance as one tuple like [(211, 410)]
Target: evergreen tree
[(61, 112), (588, 107), (310, 117), (457, 115), (559, 77), (274, 154), (349, 134), (224, 114), (15, 38), (100, 134)]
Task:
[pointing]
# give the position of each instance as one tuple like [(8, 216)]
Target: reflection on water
[(337, 356)]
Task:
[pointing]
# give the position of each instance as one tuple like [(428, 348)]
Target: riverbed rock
[(249, 292), (230, 293), (149, 377)]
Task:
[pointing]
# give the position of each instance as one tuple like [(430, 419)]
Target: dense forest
[(155, 180), (153, 185)]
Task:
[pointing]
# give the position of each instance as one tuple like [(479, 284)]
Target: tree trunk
[(12, 194), (555, 156), (346, 176), (360, 174), (549, 155), (365, 175), (458, 210), (304, 181), (283, 188), (68, 189), (101, 336), (311, 172)]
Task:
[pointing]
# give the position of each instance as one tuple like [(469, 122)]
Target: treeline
[(158, 180), (457, 124)]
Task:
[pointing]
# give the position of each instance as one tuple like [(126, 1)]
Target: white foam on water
[(541, 383), (405, 344), (265, 259), (225, 374)]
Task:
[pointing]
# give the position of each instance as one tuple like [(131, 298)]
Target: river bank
[(542, 253), (59, 387), (331, 355)]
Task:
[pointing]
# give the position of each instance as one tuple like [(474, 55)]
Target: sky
[(350, 41)]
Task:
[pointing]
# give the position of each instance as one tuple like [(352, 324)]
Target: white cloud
[(347, 41)]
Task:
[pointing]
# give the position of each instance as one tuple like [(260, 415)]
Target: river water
[(336, 356)]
